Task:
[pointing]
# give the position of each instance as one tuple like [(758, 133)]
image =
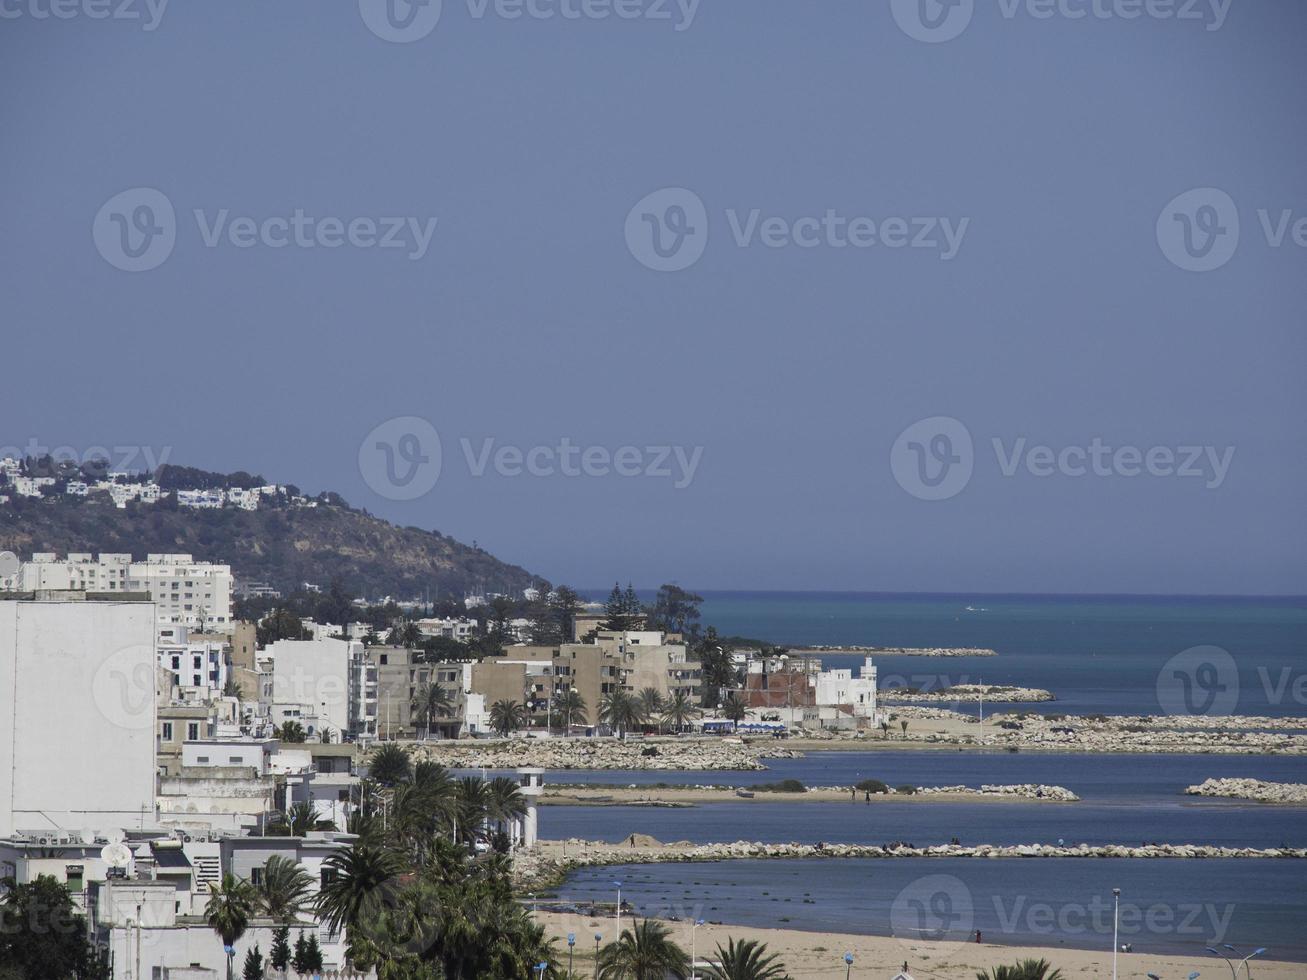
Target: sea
[(1097, 654)]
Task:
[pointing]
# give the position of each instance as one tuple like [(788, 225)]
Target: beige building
[(401, 675), (648, 660)]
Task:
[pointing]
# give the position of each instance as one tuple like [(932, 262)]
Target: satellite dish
[(116, 855), (87, 837), (9, 564), (112, 836)]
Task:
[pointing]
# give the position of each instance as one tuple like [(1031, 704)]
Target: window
[(73, 873), (233, 760), (256, 876), (166, 731), (202, 760), (192, 731)]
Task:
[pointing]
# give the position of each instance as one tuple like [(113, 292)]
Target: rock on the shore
[(1028, 791), (1252, 789), (968, 694), (668, 754)]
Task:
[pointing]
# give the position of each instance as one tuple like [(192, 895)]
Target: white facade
[(840, 687), (327, 678), (195, 594), (201, 668), (77, 695)]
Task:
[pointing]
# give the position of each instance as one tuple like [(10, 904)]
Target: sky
[(860, 294)]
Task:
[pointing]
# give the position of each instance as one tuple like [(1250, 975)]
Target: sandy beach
[(820, 956)]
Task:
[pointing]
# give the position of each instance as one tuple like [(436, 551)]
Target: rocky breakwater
[(1252, 789), (968, 694), (1025, 791), (604, 753), (550, 863)]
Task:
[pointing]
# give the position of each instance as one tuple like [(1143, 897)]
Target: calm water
[(1173, 906), (1095, 654)]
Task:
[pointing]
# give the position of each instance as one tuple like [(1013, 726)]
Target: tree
[(746, 960), (904, 725), (620, 711), (679, 711), (564, 604), (390, 765), (42, 936), (308, 955), (622, 611), (303, 817), (231, 689), (1027, 969), (284, 890), (281, 624), (359, 882), (572, 707), (335, 606), (253, 969), (279, 955), (734, 709), (508, 716), (644, 952), (651, 705), (675, 610), (231, 904), (504, 801), (406, 635), (291, 731), (717, 669), (432, 700)]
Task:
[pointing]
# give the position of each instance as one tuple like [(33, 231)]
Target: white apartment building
[(328, 679), (454, 629), (840, 688), (202, 668), (197, 595), (77, 695)]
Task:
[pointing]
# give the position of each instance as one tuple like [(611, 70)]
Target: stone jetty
[(1252, 789), (665, 754)]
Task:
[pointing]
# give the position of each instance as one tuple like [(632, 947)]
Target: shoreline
[(690, 796), (812, 955)]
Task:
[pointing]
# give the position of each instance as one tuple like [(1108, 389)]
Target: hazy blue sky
[(1060, 316)]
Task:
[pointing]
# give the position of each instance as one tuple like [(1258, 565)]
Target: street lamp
[(1216, 952), (694, 956), (1244, 962), (598, 939), (848, 965), (1116, 923), (571, 941), (619, 910)]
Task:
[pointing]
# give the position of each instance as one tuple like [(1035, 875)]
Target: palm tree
[(302, 818), (284, 890), (1028, 969), (572, 705), (231, 904), (651, 705), (734, 709), (472, 803), (904, 725), (746, 960), (390, 765), (290, 731), (360, 880), (507, 716), (504, 801), (679, 711), (644, 952), (432, 700), (620, 711)]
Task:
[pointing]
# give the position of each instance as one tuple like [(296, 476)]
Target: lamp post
[(598, 939), (1116, 923), (1244, 962), (694, 955), (619, 910), (848, 965), (1216, 952), (571, 941), (541, 968)]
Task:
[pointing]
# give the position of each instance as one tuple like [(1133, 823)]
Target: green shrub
[(871, 786), (784, 786), (906, 790)]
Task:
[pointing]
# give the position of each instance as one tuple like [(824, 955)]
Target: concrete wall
[(77, 699)]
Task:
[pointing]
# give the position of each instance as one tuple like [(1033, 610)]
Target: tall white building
[(77, 699), (195, 594), (327, 679)]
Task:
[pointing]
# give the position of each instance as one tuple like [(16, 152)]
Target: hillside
[(282, 546)]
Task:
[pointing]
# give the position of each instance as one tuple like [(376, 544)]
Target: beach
[(820, 955)]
